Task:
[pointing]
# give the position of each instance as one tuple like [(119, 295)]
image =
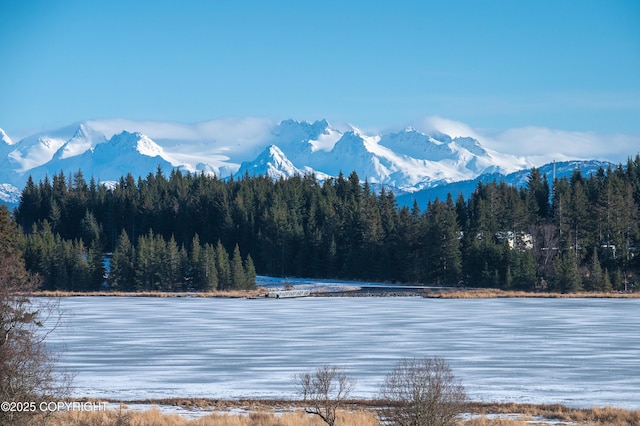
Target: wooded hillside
[(188, 231)]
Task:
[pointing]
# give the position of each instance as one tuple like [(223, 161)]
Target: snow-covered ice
[(579, 352)]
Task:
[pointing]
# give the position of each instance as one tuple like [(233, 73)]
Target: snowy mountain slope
[(5, 140), (9, 195), (466, 152), (415, 144), (18, 158), (84, 139), (6, 146), (271, 162), (124, 153), (406, 161), (301, 135), (32, 153)]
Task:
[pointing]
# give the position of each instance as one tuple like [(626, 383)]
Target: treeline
[(152, 264), (158, 265), (72, 252), (572, 234)]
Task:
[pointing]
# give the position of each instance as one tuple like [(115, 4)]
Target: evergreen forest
[(195, 232)]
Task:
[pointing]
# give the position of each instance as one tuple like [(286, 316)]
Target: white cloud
[(542, 145), (448, 127), (240, 133), (212, 138), (156, 130), (551, 144)]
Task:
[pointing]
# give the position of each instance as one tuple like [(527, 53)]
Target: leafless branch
[(422, 392), (324, 390)]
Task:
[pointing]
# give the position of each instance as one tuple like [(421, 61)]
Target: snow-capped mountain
[(84, 139), (406, 161), (271, 162), (123, 153), (31, 152)]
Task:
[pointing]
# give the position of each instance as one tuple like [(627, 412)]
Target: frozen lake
[(579, 352)]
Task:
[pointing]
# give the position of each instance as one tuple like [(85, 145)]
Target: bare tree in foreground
[(324, 390), (422, 392), (27, 375)]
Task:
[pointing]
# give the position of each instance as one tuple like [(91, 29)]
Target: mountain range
[(412, 163)]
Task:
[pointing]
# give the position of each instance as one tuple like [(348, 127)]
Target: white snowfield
[(408, 160), (578, 352)]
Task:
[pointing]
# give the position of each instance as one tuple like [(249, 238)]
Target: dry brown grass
[(289, 413), (488, 293), (237, 294), (597, 416), (483, 421), (481, 293), (154, 417)]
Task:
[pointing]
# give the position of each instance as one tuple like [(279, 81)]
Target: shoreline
[(462, 293), (542, 412)]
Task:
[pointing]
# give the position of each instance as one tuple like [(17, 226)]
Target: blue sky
[(569, 67)]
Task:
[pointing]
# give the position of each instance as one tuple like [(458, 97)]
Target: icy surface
[(579, 352)]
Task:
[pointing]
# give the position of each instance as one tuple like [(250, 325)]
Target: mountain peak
[(274, 156), (82, 140), (318, 124), (292, 131), (136, 141), (81, 132), (350, 143), (271, 162)]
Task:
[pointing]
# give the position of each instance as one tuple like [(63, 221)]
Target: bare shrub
[(324, 390), (422, 393)]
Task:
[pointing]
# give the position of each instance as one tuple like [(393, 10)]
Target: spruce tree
[(121, 276), (607, 286), (568, 279), (223, 267), (238, 278), (596, 276), (538, 195), (89, 229), (96, 266), (249, 273), (196, 273), (526, 278), (172, 267), (208, 259)]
